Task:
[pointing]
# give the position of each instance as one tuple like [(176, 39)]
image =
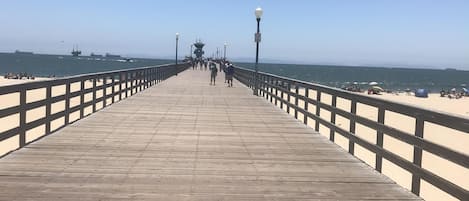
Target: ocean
[(41, 65), (396, 79), (334, 76)]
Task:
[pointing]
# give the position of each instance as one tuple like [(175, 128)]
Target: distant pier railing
[(286, 92), (85, 92)]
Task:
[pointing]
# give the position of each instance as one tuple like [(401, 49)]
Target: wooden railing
[(113, 85), (286, 92)]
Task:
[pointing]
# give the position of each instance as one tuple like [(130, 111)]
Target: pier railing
[(286, 92), (80, 95)]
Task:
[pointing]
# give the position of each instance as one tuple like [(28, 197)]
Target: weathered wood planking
[(186, 140)]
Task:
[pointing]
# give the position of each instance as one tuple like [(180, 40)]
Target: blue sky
[(409, 33)]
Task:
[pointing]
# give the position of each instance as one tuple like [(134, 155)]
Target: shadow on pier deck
[(186, 140)]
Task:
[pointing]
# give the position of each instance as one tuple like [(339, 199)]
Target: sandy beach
[(447, 137)]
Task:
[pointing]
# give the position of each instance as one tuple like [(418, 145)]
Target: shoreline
[(6, 82)]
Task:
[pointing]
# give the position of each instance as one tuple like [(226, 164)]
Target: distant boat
[(95, 55), (451, 69), (112, 55), (21, 52)]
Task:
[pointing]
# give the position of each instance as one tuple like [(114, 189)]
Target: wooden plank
[(186, 139)]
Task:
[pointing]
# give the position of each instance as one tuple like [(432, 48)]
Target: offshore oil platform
[(76, 52), (198, 50)]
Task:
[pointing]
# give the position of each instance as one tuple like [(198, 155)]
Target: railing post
[(126, 79), (131, 74), (94, 95), (379, 140), (271, 82), (263, 85), (104, 91), (318, 109), (353, 110), (82, 99), (419, 126), (67, 103), (297, 88), (281, 94), (22, 131), (305, 116), (276, 91), (48, 108), (331, 132), (140, 80), (113, 91), (288, 97), (121, 78)]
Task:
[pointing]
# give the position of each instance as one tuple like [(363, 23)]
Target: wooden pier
[(184, 139)]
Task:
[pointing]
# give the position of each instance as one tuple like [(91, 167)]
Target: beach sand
[(456, 140), (12, 121), (447, 137)]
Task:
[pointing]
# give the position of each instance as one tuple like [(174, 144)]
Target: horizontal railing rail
[(274, 88), (112, 85)]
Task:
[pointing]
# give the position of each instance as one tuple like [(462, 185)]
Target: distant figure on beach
[(213, 73), (229, 72)]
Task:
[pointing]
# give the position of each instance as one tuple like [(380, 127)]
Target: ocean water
[(60, 65), (335, 76), (396, 79)]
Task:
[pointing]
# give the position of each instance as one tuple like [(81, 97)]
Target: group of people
[(19, 76), (226, 67), (202, 63)]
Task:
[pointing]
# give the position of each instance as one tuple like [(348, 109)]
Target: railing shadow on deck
[(112, 86), (281, 89)]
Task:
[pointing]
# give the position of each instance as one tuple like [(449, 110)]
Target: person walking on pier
[(213, 73), (229, 72)]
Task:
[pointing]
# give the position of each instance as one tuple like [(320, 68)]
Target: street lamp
[(224, 52), (191, 50), (257, 39), (177, 39)]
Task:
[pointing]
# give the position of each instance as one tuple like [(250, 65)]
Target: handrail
[(270, 85), (121, 83)]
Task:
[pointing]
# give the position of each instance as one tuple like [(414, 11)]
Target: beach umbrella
[(373, 83), (376, 88), (422, 93)]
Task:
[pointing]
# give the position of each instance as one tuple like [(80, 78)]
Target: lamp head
[(258, 12), (177, 35)]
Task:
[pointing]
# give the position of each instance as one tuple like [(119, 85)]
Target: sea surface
[(336, 76), (41, 65), (396, 79)]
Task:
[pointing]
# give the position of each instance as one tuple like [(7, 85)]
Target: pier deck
[(186, 140)]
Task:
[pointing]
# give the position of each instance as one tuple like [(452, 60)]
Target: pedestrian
[(229, 75), (213, 73)]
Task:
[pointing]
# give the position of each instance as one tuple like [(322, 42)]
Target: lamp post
[(191, 51), (224, 52), (177, 39), (257, 39)]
